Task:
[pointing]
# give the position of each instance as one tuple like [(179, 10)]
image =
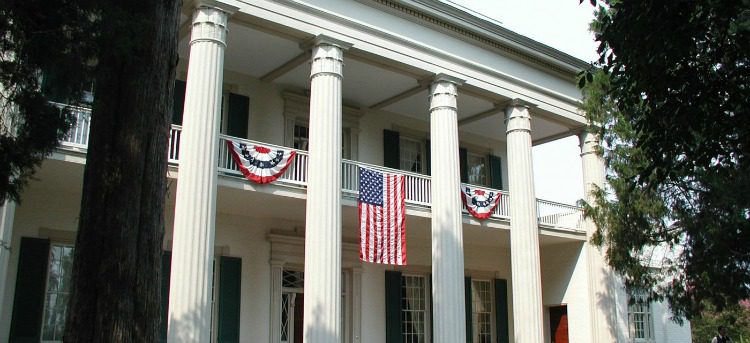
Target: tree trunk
[(115, 293)]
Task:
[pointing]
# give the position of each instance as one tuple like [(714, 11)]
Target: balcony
[(550, 214)]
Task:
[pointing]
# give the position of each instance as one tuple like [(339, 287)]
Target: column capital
[(210, 21), (517, 116), (221, 6), (325, 40), (327, 55), (518, 102), (444, 91), (588, 142), (441, 77)]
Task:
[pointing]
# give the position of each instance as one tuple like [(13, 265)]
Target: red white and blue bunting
[(258, 163), (480, 203)]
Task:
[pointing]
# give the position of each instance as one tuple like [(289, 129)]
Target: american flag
[(382, 214)]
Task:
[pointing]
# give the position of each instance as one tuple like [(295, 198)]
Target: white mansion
[(417, 87)]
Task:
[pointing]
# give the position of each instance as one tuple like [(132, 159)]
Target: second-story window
[(412, 155), (301, 139), (235, 109), (477, 169), (301, 136)]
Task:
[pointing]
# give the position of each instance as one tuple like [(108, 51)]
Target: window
[(57, 292), (640, 320), (297, 125), (301, 136), (292, 306), (302, 139), (414, 309), (477, 169), (411, 155), (481, 310)]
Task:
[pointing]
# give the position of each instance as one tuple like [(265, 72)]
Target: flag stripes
[(382, 214)]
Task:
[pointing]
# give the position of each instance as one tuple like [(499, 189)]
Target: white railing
[(558, 215), (78, 136), (417, 185)]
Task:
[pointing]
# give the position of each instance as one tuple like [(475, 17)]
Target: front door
[(558, 322), (292, 303)]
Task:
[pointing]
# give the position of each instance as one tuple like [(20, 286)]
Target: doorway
[(558, 322)]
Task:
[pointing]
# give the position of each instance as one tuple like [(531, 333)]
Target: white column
[(7, 213), (195, 205), (448, 295), (322, 314), (601, 305), (524, 232)]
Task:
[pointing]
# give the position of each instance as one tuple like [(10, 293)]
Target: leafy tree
[(669, 97), (735, 317), (37, 36), (129, 48)]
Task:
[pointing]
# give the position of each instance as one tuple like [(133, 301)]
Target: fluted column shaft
[(322, 313), (195, 206), (524, 233), (447, 235), (601, 306)]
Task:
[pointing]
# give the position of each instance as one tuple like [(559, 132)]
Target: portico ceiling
[(370, 82)]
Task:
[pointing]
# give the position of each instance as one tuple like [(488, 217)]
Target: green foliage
[(37, 35), (736, 318), (669, 97)]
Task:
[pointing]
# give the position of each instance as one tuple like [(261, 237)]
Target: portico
[(396, 86)]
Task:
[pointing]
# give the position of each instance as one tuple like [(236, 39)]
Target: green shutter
[(178, 102), (230, 273), (427, 158), (496, 172), (391, 149), (463, 157), (31, 281), (432, 309), (469, 326), (51, 88), (166, 272), (501, 310), (393, 307), (239, 106)]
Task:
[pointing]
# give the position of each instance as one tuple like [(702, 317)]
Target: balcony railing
[(417, 185)]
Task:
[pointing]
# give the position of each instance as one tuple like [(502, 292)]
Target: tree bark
[(115, 293)]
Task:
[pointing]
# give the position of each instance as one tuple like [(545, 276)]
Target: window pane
[(477, 169), (411, 155), (481, 298), (58, 287), (413, 309), (301, 137), (639, 318)]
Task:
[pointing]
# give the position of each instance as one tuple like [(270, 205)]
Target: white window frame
[(474, 313), (640, 310), (297, 112), (421, 154), (485, 173), (427, 288), (47, 288), (346, 144), (287, 253)]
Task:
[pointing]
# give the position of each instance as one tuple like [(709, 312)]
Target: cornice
[(483, 32)]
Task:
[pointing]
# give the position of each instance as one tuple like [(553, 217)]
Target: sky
[(563, 25)]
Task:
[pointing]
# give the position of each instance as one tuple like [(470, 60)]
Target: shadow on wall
[(318, 332), (606, 299)]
